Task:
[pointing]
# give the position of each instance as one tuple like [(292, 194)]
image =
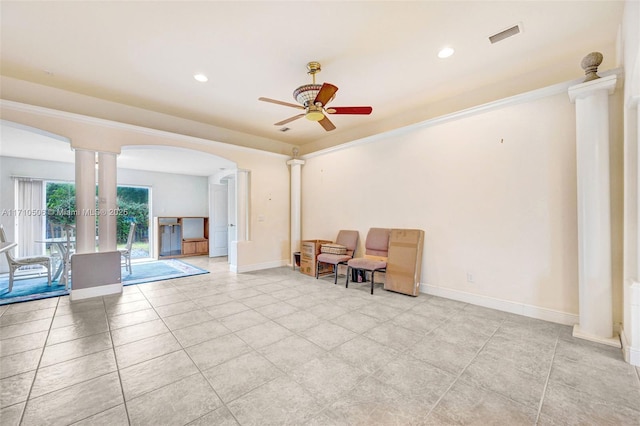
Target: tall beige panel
[(404, 263)]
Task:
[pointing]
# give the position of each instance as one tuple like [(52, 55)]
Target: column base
[(610, 341)]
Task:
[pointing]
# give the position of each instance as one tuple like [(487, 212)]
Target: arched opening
[(33, 153)]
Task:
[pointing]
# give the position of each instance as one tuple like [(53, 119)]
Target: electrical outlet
[(470, 277)]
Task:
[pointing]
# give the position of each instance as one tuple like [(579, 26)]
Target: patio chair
[(126, 252), (17, 263)]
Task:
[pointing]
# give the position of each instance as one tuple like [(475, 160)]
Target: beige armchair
[(348, 239), (376, 252)]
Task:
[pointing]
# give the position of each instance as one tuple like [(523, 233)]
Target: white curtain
[(31, 216)]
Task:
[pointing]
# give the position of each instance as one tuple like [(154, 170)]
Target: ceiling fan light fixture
[(313, 98), (306, 94), (314, 115)]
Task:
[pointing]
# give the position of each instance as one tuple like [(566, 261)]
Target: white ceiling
[(382, 54)]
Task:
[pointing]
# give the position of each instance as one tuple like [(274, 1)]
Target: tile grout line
[(143, 294), (113, 349), (60, 362), (546, 383), (190, 359), (49, 329), (405, 350), (463, 370), (250, 308), (35, 375), (115, 358), (102, 375), (367, 375), (284, 373), (297, 333)]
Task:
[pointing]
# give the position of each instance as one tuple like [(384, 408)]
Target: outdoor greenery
[(61, 203), (133, 206)]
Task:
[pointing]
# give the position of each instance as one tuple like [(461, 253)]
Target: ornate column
[(631, 332), (296, 193), (107, 204), (594, 225), (85, 201)]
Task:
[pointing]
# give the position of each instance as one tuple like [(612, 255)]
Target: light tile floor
[(277, 347)]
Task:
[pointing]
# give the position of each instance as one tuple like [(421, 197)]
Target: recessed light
[(445, 52), (201, 78)]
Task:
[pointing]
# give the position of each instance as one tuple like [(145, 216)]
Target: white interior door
[(219, 220)]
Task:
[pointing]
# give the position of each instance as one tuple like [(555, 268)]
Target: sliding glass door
[(133, 206), (133, 203)]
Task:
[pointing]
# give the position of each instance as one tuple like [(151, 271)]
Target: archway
[(41, 154)]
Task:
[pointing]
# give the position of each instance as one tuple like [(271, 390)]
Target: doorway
[(222, 209)]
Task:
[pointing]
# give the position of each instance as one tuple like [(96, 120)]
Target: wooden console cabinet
[(182, 236)]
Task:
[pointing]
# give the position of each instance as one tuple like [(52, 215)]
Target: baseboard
[(261, 266), (518, 308), (102, 290), (631, 354), (613, 341)]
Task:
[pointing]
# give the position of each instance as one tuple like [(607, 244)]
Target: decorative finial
[(295, 152), (590, 64)]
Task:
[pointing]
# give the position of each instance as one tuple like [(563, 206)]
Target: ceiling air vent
[(505, 34)]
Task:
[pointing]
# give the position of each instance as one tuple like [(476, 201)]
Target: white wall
[(494, 192), (172, 194)]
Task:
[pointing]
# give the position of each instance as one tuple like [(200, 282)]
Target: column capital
[(584, 90), (295, 162)]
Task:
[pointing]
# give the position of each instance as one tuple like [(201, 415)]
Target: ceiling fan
[(313, 99)]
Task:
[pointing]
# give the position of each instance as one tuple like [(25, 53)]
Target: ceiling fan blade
[(288, 120), (350, 110), (273, 101), (326, 93), (327, 124)]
